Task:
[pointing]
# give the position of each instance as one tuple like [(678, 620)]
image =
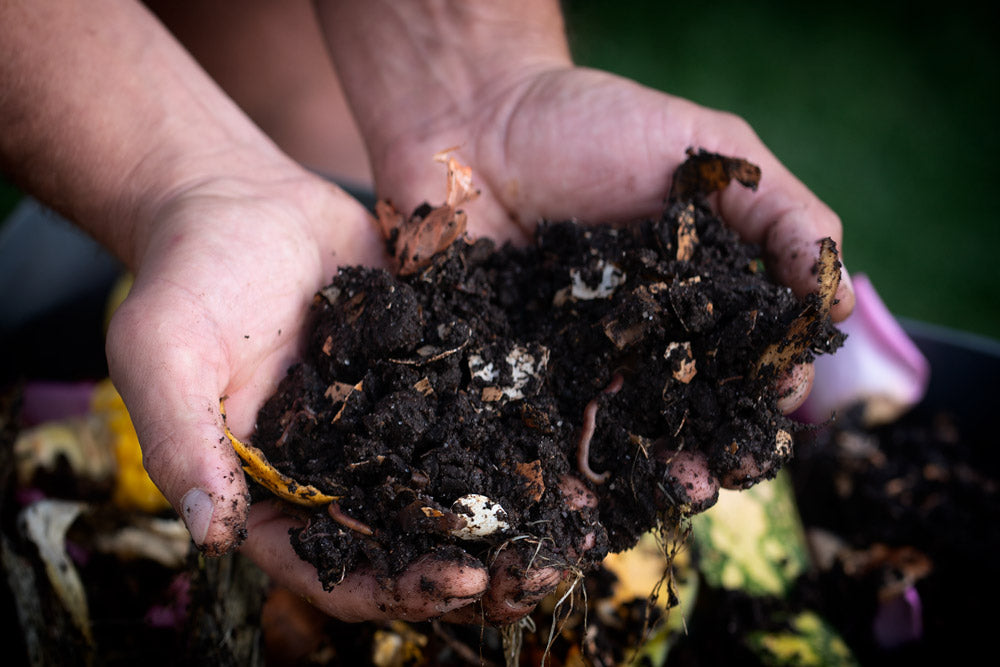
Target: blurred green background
[(888, 111)]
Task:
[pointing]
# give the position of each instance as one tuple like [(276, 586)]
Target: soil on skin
[(472, 376)]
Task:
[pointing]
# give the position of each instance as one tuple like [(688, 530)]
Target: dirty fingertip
[(576, 493), (442, 582), (750, 471), (515, 588), (217, 524), (690, 482), (793, 388), (844, 304)]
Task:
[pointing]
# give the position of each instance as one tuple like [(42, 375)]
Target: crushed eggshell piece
[(611, 277), (483, 517), (783, 443), (526, 364)]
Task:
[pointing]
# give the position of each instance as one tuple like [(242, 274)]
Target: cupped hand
[(562, 142), (222, 286)]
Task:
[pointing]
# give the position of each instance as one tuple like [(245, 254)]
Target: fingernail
[(451, 604), (196, 510)]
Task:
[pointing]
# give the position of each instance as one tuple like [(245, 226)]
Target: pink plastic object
[(899, 619), (48, 401), (879, 365)]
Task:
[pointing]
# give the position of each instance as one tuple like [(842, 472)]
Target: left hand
[(568, 142)]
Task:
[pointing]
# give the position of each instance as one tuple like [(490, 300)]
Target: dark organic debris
[(597, 352)]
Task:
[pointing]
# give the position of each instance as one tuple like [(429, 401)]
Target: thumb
[(172, 394), (783, 215)]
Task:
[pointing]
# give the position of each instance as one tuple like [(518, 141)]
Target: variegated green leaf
[(808, 641), (752, 540)]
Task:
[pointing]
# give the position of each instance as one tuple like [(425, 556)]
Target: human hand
[(572, 143), (575, 143), (547, 140), (223, 283)]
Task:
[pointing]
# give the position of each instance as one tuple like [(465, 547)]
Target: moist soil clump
[(445, 409)]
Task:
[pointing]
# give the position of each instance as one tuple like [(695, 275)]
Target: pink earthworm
[(338, 515), (587, 433)]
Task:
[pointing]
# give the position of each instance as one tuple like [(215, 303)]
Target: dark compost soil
[(473, 374)]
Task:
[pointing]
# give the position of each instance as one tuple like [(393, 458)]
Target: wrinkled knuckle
[(159, 454)]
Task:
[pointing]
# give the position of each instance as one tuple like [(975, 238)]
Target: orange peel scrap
[(256, 465)]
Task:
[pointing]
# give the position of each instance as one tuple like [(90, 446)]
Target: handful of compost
[(559, 399)]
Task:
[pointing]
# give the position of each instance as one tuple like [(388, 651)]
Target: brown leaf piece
[(783, 354), (704, 173), (532, 473), (687, 236), (414, 241)]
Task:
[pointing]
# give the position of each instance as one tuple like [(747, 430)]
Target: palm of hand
[(216, 311), (577, 143)]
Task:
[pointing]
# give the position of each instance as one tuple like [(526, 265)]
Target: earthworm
[(338, 515), (587, 433), (304, 410)]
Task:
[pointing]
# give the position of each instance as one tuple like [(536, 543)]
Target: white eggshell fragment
[(483, 517), (611, 278)]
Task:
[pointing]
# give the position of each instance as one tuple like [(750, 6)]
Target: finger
[(794, 387), (515, 588), (752, 470), (689, 480), (792, 248), (783, 214), (433, 585), (171, 394), (579, 498), (746, 474), (576, 494)]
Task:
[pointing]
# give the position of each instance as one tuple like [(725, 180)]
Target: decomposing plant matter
[(448, 405)]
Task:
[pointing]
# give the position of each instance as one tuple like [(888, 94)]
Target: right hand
[(222, 287)]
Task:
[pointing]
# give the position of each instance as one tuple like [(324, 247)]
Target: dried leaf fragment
[(423, 385), (532, 473), (704, 173), (350, 392), (257, 466), (459, 189), (682, 361), (415, 240), (687, 236), (339, 391), (782, 355)]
